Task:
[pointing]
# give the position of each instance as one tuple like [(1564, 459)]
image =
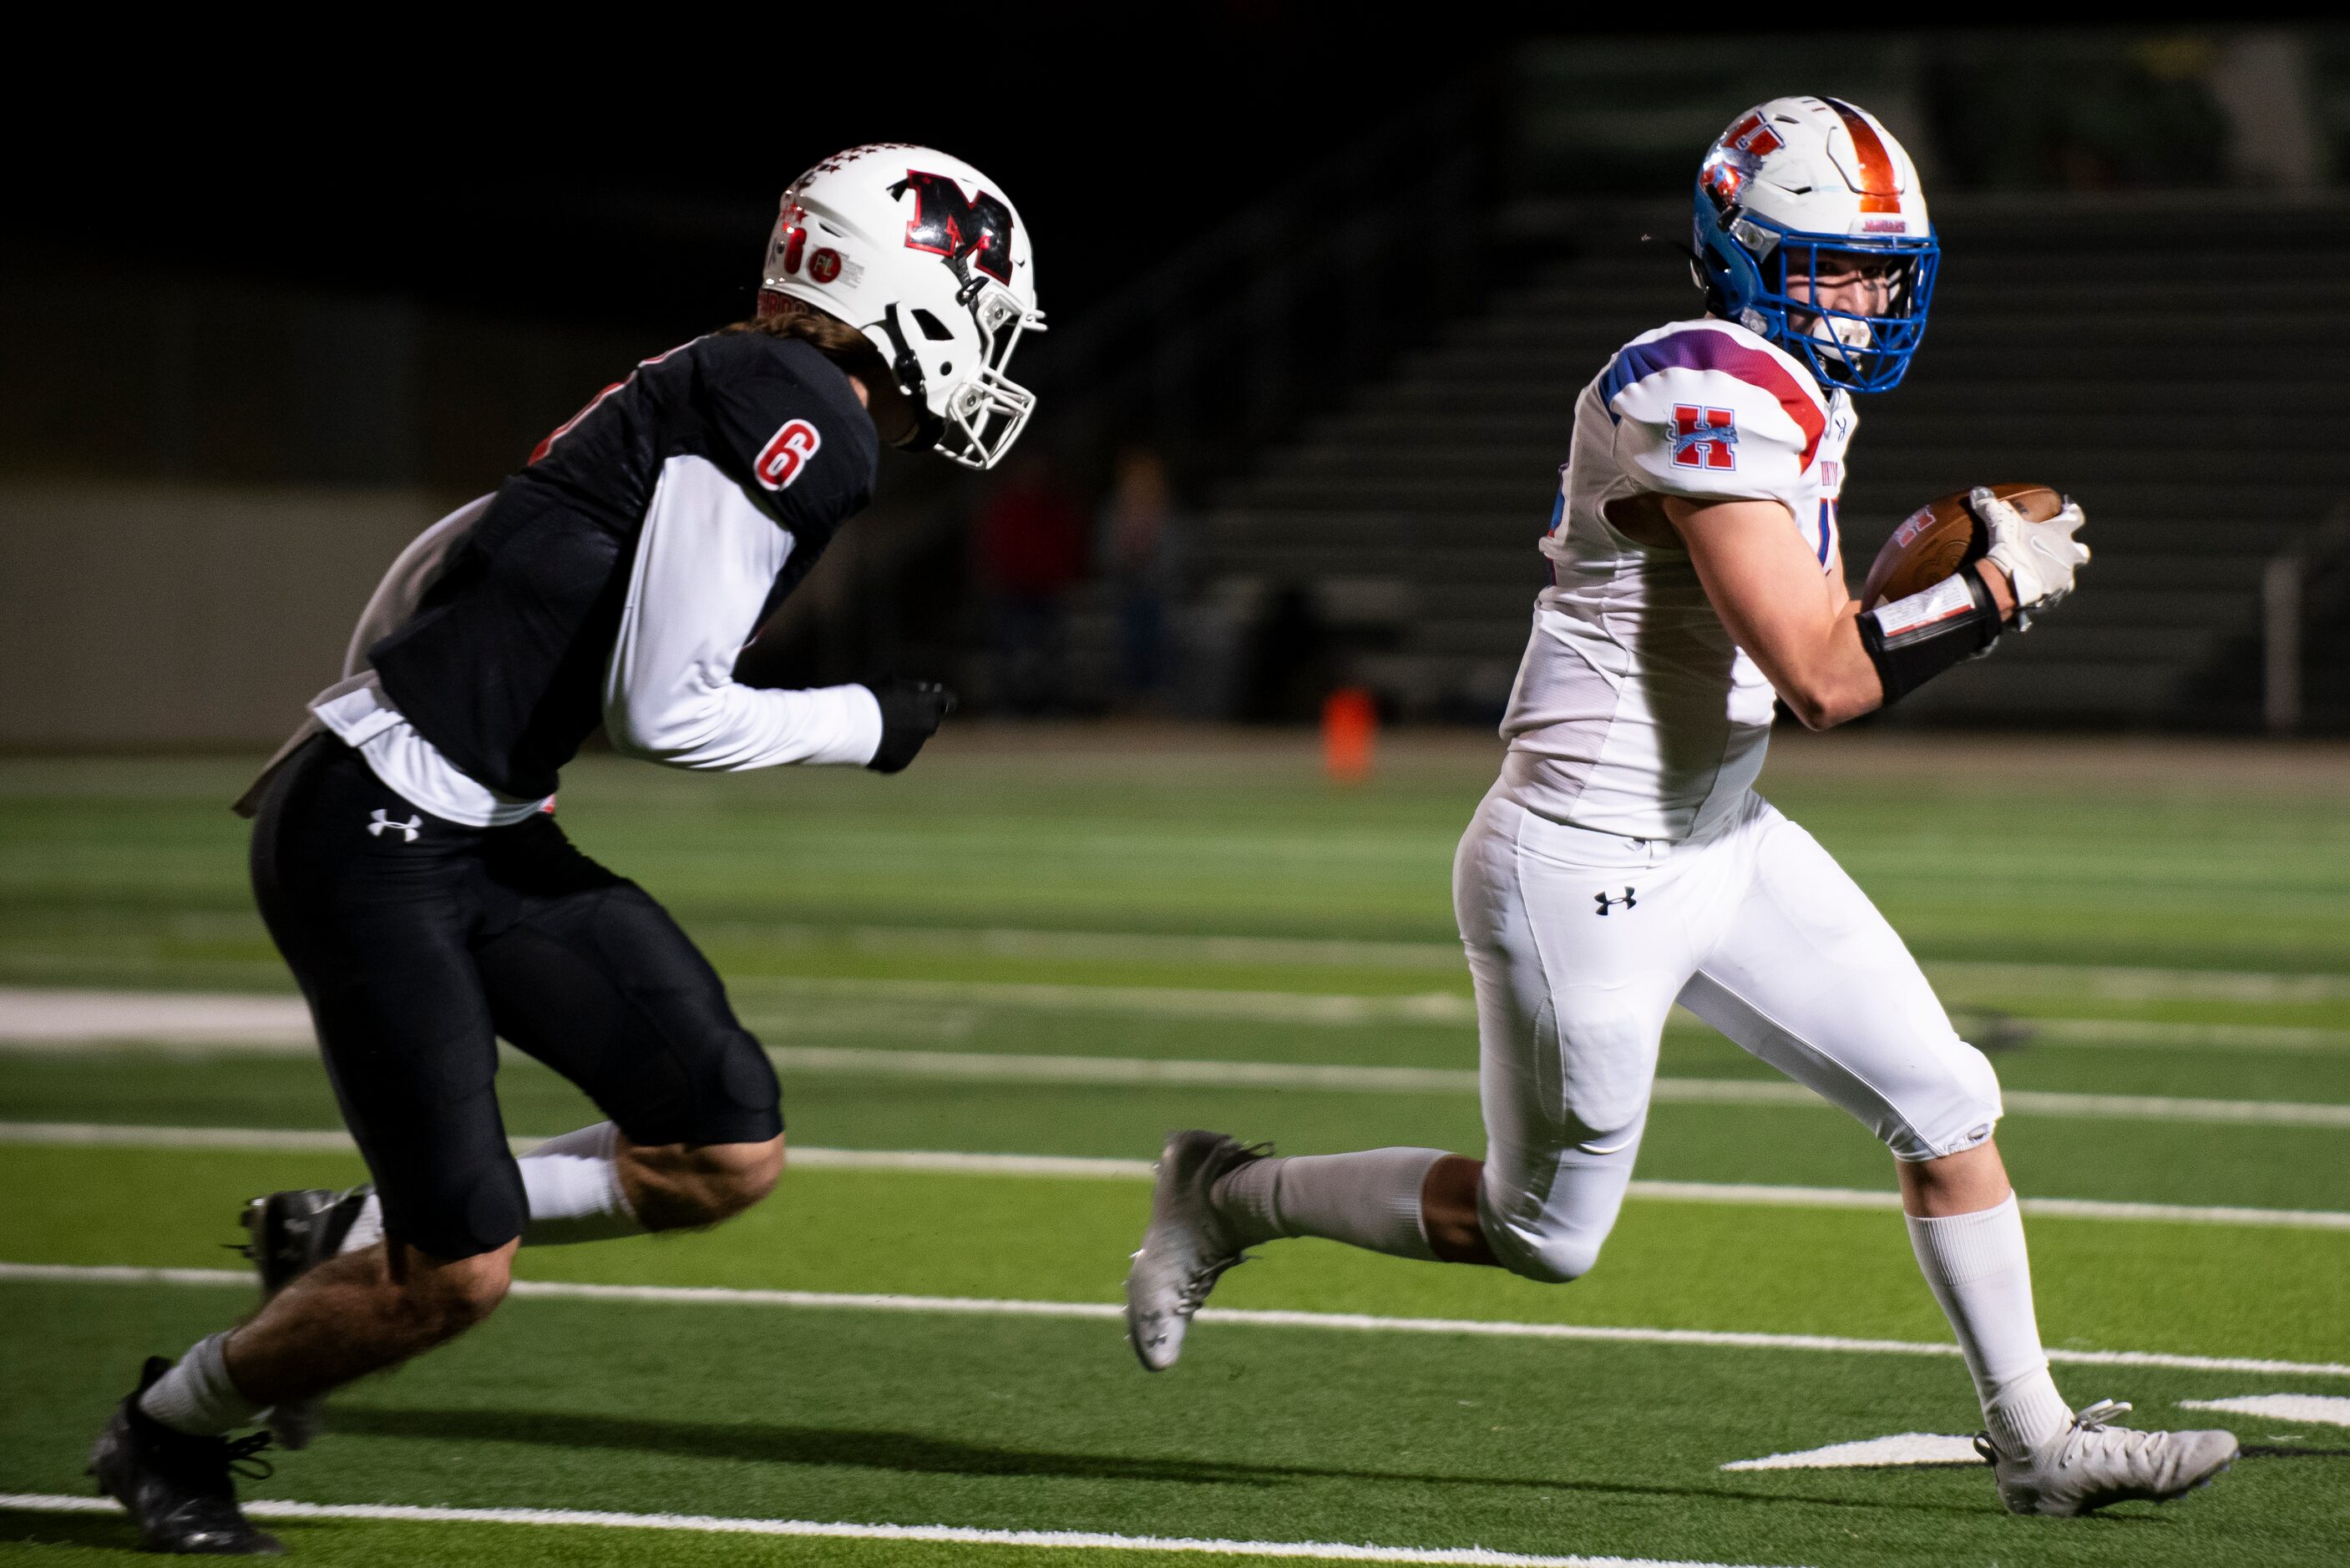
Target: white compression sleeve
[(1370, 1199), (706, 560), (573, 1184), (1982, 1274)]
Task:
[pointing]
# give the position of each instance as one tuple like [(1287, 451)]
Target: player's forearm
[(1846, 682), (711, 723), (1831, 682)]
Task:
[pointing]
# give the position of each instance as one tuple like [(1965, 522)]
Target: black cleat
[(178, 1488), (288, 1235)]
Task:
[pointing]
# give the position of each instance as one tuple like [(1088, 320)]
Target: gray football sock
[(1368, 1200)]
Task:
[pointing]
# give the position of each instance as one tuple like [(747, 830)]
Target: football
[(1942, 537)]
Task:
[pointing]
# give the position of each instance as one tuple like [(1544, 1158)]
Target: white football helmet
[(1791, 179), (914, 249)]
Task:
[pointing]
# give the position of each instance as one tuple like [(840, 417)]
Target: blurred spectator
[(1143, 550), (1032, 551)]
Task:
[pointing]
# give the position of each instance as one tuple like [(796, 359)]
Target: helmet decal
[(946, 223), (1753, 135), (1736, 156), (1879, 191)]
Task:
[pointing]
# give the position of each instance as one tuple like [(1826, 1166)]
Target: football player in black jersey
[(409, 866)]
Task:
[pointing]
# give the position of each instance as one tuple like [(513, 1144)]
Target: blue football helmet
[(1801, 186)]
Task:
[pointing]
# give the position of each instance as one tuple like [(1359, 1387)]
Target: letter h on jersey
[(1703, 437)]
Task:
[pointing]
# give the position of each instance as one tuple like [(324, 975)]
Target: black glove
[(911, 712)]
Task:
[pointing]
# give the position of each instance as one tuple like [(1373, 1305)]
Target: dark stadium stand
[(2172, 360)]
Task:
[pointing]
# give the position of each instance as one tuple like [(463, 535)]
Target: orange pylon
[(1350, 729)]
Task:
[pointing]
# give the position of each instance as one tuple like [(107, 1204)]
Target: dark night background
[(595, 179), (275, 294)]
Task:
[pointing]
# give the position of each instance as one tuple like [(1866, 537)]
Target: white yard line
[(951, 1162), (45, 1019), (1901, 1449), (109, 1135), (2305, 1409), (1737, 1193), (1009, 1066), (1095, 947), (284, 1140), (950, 1534), (37, 1017), (983, 1066), (1329, 1010), (2169, 1109), (2106, 983), (2134, 1033), (1363, 1322), (1986, 982), (948, 1162)]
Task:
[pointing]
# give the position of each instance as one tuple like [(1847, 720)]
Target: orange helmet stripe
[(1880, 192)]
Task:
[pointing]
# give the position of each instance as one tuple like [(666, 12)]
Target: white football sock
[(573, 1186), (1368, 1200), (367, 1229), (1982, 1273), (574, 1183), (196, 1396)]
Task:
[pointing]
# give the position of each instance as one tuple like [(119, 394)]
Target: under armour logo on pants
[(1626, 900), (407, 830)]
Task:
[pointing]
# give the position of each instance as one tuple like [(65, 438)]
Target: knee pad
[(736, 1098), (1947, 1116), (1550, 1255), (680, 1069), (452, 1210), (1545, 1245)]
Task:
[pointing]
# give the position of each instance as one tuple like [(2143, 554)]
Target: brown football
[(1941, 537)]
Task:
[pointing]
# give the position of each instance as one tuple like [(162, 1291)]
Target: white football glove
[(2039, 558)]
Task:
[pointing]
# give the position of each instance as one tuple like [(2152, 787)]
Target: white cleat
[(2094, 1464), (1186, 1249)]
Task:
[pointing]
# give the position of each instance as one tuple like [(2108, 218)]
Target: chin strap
[(1912, 640), (907, 366)]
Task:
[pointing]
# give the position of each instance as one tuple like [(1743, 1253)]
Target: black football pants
[(419, 942)]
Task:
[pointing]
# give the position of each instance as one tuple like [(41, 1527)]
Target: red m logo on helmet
[(947, 224)]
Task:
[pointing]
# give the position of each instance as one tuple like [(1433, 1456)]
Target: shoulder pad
[(1728, 350)]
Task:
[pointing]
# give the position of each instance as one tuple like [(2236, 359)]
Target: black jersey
[(501, 666)]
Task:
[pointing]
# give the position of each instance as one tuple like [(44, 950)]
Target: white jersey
[(1634, 713)]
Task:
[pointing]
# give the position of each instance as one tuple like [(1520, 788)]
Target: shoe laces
[(2097, 1419), (206, 1463), (2086, 1422), (1203, 1280), (243, 1456)]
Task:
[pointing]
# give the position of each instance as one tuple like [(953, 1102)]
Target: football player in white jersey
[(1623, 862)]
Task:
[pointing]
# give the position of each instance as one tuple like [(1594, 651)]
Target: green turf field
[(1052, 945)]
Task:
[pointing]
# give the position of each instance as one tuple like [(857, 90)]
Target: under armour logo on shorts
[(1626, 900), (414, 825)]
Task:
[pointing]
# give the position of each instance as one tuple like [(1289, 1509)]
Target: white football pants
[(1580, 942)]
